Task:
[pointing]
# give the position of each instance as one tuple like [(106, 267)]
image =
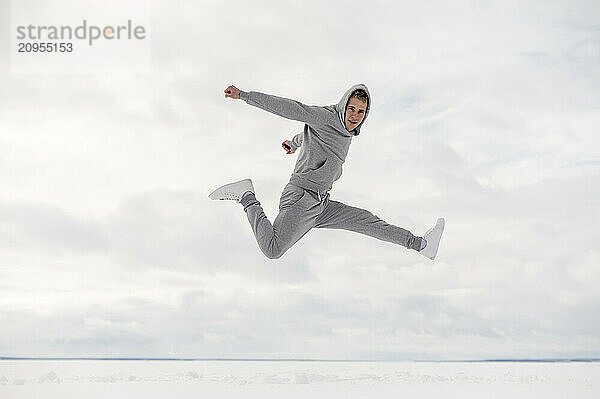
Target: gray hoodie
[(325, 139)]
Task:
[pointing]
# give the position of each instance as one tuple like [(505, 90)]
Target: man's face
[(355, 113)]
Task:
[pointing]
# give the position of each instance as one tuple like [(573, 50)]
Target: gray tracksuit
[(305, 202)]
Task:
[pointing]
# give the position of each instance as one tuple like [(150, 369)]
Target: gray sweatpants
[(300, 210)]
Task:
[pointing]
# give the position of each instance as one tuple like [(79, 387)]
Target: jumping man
[(305, 202)]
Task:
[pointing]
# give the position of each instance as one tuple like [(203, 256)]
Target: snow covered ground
[(294, 379)]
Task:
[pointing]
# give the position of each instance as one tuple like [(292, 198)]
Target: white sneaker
[(432, 239), (232, 191)]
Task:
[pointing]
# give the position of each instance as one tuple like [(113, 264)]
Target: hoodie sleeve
[(296, 142), (290, 109)]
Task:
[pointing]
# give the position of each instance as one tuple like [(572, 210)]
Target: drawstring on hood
[(341, 107)]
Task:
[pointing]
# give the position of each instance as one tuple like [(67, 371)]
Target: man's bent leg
[(341, 216), (296, 217)]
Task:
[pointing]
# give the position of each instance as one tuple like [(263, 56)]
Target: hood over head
[(341, 106)]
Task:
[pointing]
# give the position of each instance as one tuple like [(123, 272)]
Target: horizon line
[(215, 359)]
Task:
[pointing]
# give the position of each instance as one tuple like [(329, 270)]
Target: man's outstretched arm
[(284, 107)]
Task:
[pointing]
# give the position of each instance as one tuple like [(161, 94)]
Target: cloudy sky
[(484, 112)]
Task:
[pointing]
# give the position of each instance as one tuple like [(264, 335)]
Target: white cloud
[(483, 113)]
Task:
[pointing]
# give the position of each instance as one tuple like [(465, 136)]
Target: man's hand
[(287, 147), (232, 92)]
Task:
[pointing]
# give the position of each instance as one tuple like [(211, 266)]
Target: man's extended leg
[(298, 210), (341, 216)]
